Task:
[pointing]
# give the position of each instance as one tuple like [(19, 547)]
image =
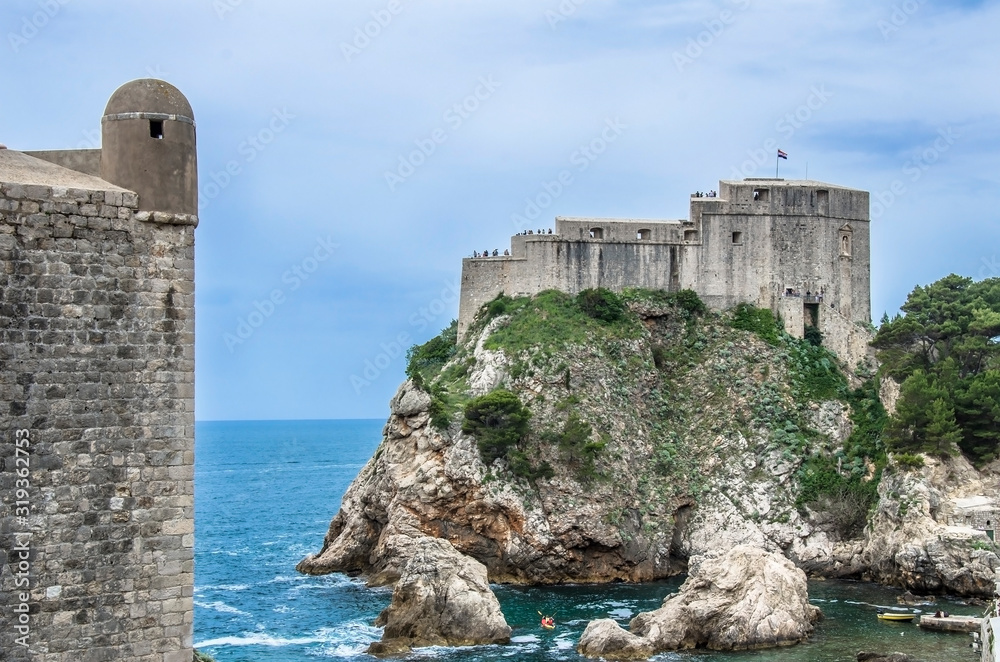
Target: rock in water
[(865, 656), (748, 598), (442, 599)]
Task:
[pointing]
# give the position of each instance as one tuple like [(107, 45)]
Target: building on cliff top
[(97, 374), (798, 247)]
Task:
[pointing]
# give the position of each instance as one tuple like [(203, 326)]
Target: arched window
[(845, 245)]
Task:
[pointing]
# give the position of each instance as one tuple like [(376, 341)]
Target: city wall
[(97, 374)]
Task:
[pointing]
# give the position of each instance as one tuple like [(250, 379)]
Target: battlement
[(754, 241)]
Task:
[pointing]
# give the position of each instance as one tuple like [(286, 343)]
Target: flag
[(782, 155)]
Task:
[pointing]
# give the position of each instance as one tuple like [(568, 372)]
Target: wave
[(220, 607), (257, 639), (349, 638), (221, 587)]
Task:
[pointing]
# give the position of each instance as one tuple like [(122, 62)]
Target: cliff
[(599, 438)]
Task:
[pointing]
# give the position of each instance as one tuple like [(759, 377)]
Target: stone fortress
[(97, 373), (799, 248)]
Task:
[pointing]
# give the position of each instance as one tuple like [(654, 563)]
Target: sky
[(352, 153)]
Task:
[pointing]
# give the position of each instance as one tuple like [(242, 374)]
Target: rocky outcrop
[(866, 656), (909, 543), (442, 598), (747, 598), (702, 441), (424, 483)]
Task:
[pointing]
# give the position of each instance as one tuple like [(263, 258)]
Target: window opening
[(156, 129)]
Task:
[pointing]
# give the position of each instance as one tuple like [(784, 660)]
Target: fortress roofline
[(603, 219), (26, 170), (771, 181)]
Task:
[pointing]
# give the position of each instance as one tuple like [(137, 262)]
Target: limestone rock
[(409, 400), (604, 638), (441, 598), (910, 544), (748, 598), (866, 656)]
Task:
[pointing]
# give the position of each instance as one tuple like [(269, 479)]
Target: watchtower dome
[(148, 146)]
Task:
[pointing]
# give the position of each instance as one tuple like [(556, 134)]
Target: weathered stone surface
[(605, 639), (97, 372), (909, 543), (867, 656), (748, 598), (409, 400), (441, 598)]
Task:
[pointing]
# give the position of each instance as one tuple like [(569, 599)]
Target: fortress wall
[(730, 272), (623, 230), (551, 262), (97, 375), (844, 337)]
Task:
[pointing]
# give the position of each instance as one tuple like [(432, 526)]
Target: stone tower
[(148, 146), (97, 383)]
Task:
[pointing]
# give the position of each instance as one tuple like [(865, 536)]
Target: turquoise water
[(265, 494)]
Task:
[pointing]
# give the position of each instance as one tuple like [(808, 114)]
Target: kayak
[(548, 627)]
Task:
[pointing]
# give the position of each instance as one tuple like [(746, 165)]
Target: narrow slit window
[(156, 129)]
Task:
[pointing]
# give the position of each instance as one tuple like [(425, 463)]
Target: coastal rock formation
[(669, 436), (748, 598), (910, 544), (442, 598)]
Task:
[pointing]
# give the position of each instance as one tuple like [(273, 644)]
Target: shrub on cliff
[(760, 321), (425, 361), (601, 304), (498, 421)]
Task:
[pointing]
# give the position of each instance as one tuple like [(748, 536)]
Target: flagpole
[(776, 157)]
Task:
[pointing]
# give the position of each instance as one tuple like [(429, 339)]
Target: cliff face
[(653, 438)]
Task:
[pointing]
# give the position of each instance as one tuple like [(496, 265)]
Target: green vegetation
[(423, 362), (813, 335), (498, 421), (554, 320), (686, 301), (757, 320), (906, 461), (202, 657), (577, 447), (602, 304), (944, 350), (845, 484)]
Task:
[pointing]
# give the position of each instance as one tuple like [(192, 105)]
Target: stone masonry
[(799, 248), (97, 375)]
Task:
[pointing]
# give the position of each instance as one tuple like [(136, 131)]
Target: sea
[(265, 492)]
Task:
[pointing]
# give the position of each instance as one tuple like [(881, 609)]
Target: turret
[(148, 146)]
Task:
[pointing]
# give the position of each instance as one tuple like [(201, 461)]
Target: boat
[(895, 616), (548, 627)]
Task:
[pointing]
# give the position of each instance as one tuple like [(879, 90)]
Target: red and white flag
[(782, 155)]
